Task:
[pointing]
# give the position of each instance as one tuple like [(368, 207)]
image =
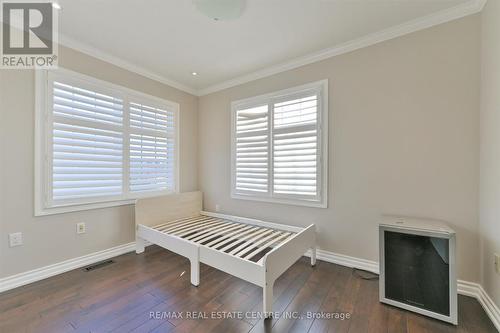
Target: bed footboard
[(277, 261), (150, 212), (187, 249)]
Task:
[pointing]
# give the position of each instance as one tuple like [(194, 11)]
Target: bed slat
[(260, 233), (256, 244), (173, 223), (257, 230), (244, 240), (209, 228), (197, 228), (183, 226), (218, 232), (230, 237), (281, 239), (177, 224)]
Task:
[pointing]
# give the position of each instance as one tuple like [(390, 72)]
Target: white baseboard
[(465, 288), (347, 261), (477, 291), (38, 274)]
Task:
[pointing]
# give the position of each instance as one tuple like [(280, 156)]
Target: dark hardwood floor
[(138, 292)]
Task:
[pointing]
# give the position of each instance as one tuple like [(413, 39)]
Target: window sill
[(292, 202), (39, 211), (75, 207)]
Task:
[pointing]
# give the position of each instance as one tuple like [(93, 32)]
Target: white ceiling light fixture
[(221, 10), (56, 5), (194, 73)]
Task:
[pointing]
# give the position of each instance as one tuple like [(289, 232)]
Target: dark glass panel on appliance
[(417, 271)]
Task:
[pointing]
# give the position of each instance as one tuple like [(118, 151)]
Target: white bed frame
[(153, 215)]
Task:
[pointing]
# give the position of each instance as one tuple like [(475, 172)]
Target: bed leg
[(139, 245), (268, 300), (313, 256), (195, 272)]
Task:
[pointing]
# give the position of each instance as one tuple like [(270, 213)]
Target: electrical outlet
[(217, 208), (15, 239), (81, 228), (497, 263)]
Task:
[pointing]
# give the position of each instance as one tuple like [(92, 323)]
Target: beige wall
[(51, 239), (490, 149), (404, 137)]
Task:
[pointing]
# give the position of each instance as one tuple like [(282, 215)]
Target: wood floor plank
[(307, 301), (363, 307), (65, 289), (331, 302), (139, 293), (396, 320), (232, 301), (472, 317), (282, 301)]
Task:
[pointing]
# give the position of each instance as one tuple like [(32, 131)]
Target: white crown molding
[(457, 12), (38, 274), (450, 14), (101, 55)]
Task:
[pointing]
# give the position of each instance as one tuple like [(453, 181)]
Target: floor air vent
[(98, 265)]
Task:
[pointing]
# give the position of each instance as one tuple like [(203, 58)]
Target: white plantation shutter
[(98, 143), (87, 143), (279, 146), (295, 147), (152, 148), (252, 143)]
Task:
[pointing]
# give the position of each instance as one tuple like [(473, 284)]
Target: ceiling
[(171, 39)]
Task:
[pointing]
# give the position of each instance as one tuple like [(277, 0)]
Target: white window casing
[(98, 144), (279, 146)]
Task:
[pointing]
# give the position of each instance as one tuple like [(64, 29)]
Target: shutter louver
[(87, 144), (295, 147), (252, 144), (152, 148), (279, 146)]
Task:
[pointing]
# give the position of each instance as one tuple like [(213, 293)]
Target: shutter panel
[(252, 145), (87, 143), (152, 148), (295, 147)]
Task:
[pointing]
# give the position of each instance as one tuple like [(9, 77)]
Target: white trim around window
[(136, 129), (279, 146)]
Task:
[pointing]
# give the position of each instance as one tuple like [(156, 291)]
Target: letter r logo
[(27, 28)]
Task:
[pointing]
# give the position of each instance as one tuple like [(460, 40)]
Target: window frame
[(319, 87), (43, 143)]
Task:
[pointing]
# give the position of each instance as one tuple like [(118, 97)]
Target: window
[(279, 146), (100, 144)]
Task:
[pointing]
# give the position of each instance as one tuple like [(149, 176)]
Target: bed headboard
[(157, 210)]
